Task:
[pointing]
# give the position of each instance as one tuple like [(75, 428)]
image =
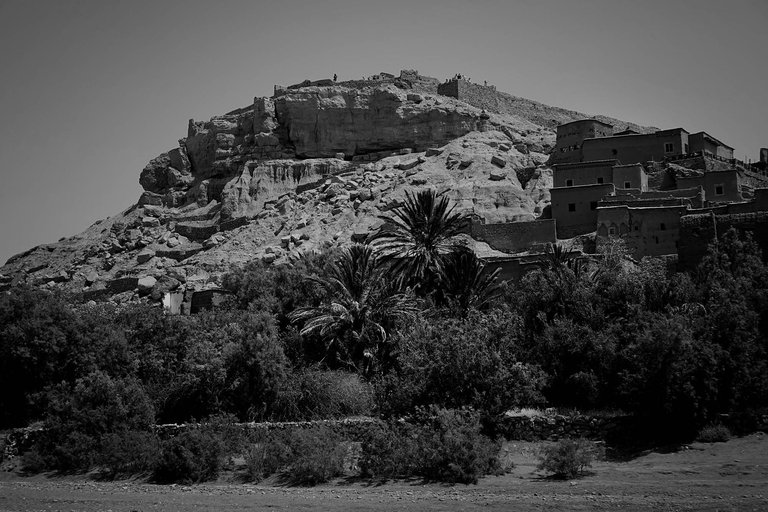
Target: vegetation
[(568, 458), (438, 444), (410, 323), (714, 434)]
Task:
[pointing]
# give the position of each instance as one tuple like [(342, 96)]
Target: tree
[(362, 308), (464, 283), (418, 237)]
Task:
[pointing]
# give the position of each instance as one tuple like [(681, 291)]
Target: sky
[(90, 91)]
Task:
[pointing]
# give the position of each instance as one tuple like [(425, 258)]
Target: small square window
[(663, 227), (593, 205), (599, 181), (614, 152), (627, 184), (571, 207), (568, 183), (669, 147), (612, 230), (719, 190)]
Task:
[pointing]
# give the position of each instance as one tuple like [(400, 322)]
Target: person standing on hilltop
[(335, 77)]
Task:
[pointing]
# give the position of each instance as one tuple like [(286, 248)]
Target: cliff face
[(310, 168), (223, 158), (322, 121)]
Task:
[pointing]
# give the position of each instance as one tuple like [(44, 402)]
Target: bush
[(192, 456), (101, 421), (714, 434), (302, 457), (127, 453), (458, 363), (266, 457), (318, 457), (437, 444), (314, 394), (568, 457)]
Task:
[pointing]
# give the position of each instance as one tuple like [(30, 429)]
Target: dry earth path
[(730, 476)]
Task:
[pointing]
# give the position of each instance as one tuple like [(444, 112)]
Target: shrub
[(437, 444), (568, 457), (318, 456), (714, 434), (192, 456), (127, 453), (314, 394), (266, 457), (302, 457)]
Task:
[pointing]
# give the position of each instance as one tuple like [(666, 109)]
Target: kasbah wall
[(511, 237)]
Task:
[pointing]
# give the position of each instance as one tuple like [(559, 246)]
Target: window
[(612, 230), (571, 207), (627, 184), (593, 205), (614, 152), (669, 147), (719, 189), (568, 183), (656, 239), (663, 227), (599, 181)]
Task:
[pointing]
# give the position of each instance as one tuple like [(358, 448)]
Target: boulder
[(498, 175), (145, 255), (498, 161), (146, 284), (150, 222), (180, 252)]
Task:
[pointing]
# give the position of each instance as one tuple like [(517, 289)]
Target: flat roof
[(590, 163), (669, 207), (628, 135), (591, 120), (630, 165), (583, 187), (716, 141)]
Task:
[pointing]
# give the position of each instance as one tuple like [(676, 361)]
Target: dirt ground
[(710, 477)]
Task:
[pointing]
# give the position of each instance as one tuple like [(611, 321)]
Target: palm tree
[(418, 237), (465, 284), (558, 256), (362, 309)]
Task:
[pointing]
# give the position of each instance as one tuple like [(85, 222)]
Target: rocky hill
[(313, 166)]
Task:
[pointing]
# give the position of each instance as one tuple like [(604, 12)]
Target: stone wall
[(513, 268), (538, 427), (551, 427), (480, 96), (511, 237)]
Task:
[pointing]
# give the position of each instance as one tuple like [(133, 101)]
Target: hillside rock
[(311, 168)]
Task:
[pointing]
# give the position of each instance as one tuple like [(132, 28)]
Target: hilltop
[(313, 166)]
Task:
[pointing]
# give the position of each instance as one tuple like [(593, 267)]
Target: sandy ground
[(710, 477)]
